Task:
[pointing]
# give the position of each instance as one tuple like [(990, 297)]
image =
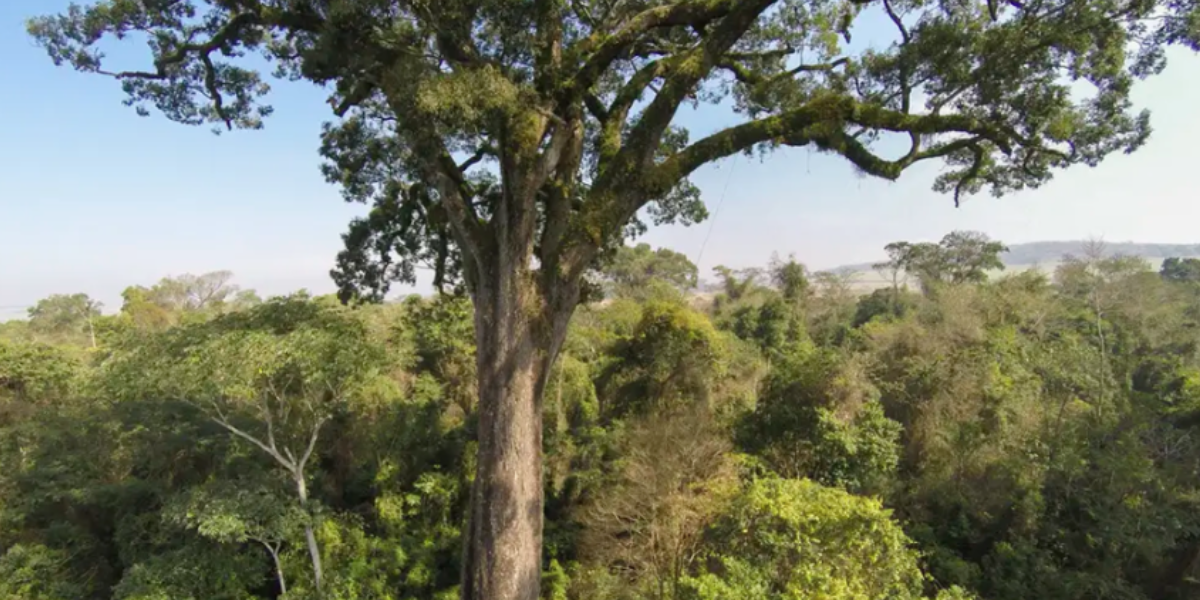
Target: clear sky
[(94, 198)]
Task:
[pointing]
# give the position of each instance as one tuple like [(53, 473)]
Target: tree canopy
[(960, 257), (1025, 436), (65, 315), (638, 270), (1181, 269), (472, 125)]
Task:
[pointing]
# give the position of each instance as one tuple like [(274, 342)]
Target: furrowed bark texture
[(519, 329)]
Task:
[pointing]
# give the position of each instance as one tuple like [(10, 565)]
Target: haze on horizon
[(95, 199)]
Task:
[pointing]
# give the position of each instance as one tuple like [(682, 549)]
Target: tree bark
[(310, 538), (295, 468), (519, 328), (279, 577)]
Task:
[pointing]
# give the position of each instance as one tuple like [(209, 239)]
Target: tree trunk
[(310, 538), (279, 577), (518, 330)]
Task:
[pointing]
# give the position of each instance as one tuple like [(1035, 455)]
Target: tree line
[(950, 436)]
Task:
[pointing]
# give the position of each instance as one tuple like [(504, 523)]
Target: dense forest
[(949, 436), (517, 437)]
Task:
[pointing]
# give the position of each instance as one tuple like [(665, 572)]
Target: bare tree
[(647, 526)]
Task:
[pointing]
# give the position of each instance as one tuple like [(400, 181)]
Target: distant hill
[(1044, 252), (1049, 253), (1042, 255)]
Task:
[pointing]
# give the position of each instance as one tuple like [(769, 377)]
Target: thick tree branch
[(273, 548), (824, 122), (613, 129), (453, 192), (561, 139), (167, 65), (616, 189), (904, 72), (549, 45), (595, 107), (560, 193), (749, 77), (312, 444), (903, 75), (270, 421), (483, 151), (645, 137), (214, 93), (361, 90), (290, 466), (457, 51), (531, 142), (602, 50), (978, 156), (442, 174), (451, 30), (764, 55)]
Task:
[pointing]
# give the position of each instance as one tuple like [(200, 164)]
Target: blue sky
[(94, 198)]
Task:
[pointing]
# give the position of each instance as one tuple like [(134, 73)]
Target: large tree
[(961, 257), (510, 143), (635, 271)]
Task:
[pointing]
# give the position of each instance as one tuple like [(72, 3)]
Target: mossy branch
[(823, 122), (601, 49)]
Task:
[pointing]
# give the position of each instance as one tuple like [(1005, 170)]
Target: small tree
[(892, 269), (1107, 285), (1181, 269), (195, 292), (36, 372), (790, 538), (64, 315), (176, 299), (229, 513), (819, 417), (736, 283), (271, 377), (961, 257), (969, 255), (831, 310), (791, 278), (510, 144), (647, 526), (635, 270)]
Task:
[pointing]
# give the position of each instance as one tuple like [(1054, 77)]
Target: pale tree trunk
[(519, 327), (295, 467), (310, 538), (273, 549)]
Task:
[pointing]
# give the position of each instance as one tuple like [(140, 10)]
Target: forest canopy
[(1013, 436), (512, 146)]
